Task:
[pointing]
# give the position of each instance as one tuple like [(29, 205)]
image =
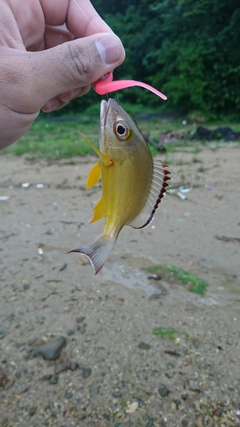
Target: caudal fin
[(97, 250)]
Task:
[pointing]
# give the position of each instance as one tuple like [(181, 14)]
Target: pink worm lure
[(106, 85)]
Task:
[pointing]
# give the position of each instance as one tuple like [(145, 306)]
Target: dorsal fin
[(160, 178)]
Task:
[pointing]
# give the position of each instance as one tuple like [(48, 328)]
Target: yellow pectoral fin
[(93, 176), (105, 159), (97, 212)]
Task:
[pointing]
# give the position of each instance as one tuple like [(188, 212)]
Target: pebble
[(163, 390), (68, 395), (94, 390), (18, 344), (150, 422), (194, 386), (52, 349), (3, 333), (32, 410), (155, 277), (117, 394), (86, 372), (131, 407), (26, 286), (144, 346), (70, 332), (155, 296), (74, 366), (54, 379), (80, 319), (18, 375)]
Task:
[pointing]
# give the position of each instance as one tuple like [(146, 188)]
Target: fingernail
[(110, 49), (70, 94), (52, 105)]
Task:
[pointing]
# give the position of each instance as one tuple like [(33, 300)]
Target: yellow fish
[(132, 183)]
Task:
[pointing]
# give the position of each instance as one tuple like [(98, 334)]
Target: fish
[(132, 183)]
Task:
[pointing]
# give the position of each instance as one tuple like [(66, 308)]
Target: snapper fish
[(132, 183)]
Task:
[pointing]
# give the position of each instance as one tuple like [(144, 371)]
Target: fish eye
[(121, 130)]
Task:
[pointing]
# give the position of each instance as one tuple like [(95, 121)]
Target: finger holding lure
[(132, 183)]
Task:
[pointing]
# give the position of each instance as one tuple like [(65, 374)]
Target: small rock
[(46, 377), (74, 366), (54, 379), (32, 410), (131, 407), (3, 333), (144, 346), (150, 422), (194, 386), (52, 349), (155, 277), (68, 395), (184, 396), (155, 296), (18, 344), (163, 390), (80, 319), (117, 394), (86, 372), (18, 375), (70, 332), (26, 286), (94, 390)]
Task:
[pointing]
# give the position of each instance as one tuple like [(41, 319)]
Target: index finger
[(80, 17)]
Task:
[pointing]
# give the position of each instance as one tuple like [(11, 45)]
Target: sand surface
[(113, 371)]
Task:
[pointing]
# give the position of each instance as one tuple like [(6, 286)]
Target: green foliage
[(61, 139), (189, 49)]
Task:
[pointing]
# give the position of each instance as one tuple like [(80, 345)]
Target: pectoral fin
[(93, 176), (97, 212), (104, 157)]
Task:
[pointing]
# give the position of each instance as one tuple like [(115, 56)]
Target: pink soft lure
[(106, 85)]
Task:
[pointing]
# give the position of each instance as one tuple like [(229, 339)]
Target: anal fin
[(97, 212)]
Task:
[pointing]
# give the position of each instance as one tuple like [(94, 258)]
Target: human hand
[(43, 65)]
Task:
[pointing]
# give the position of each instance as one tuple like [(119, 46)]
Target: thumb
[(80, 62), (43, 75)]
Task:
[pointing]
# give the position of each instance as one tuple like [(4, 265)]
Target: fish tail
[(97, 250)]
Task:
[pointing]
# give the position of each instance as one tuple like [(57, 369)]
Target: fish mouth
[(108, 114), (103, 112), (105, 108)]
